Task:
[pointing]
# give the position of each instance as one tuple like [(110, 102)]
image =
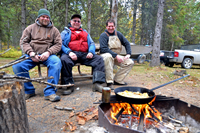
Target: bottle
[(106, 94)]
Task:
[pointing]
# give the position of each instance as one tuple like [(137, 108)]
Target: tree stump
[(13, 113)]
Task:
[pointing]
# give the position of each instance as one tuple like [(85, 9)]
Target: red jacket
[(78, 40)]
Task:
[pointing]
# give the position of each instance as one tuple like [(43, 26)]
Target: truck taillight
[(176, 54)]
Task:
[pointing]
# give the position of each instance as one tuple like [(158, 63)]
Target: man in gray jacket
[(42, 41)]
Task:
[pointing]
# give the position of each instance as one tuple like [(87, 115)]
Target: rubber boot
[(97, 87)]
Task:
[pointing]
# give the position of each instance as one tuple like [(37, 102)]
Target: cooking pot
[(150, 93)]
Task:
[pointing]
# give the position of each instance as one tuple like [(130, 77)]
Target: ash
[(92, 128)]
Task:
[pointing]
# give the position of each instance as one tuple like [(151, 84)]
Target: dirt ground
[(43, 118)]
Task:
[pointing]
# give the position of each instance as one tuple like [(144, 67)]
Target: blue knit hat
[(43, 12)]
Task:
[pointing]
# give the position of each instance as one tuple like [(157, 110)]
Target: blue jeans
[(54, 66)]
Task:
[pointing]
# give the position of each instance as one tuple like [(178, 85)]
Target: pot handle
[(170, 82)]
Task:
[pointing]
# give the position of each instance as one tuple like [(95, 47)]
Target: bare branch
[(7, 83), (5, 51), (24, 79), (15, 62)]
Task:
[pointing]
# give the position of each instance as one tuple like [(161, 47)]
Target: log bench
[(81, 75)]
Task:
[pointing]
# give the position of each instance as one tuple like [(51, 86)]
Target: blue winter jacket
[(66, 38)]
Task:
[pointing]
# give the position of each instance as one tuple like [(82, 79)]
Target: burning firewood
[(173, 119), (184, 130), (169, 125)]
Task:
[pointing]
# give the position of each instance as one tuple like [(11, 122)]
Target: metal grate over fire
[(161, 115)]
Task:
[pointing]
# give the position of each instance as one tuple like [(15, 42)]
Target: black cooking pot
[(141, 90)]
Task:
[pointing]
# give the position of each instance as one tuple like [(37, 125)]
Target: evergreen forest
[(136, 19)]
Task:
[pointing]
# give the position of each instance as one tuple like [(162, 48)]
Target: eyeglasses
[(77, 21)]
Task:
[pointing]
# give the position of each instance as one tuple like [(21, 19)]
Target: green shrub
[(12, 53)]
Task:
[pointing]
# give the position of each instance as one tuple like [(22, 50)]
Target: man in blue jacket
[(78, 47)]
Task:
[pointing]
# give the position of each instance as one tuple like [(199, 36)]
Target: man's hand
[(36, 58), (119, 58), (89, 56), (127, 56), (44, 56), (73, 56)]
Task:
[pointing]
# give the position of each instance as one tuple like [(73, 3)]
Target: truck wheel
[(166, 64), (141, 58), (171, 64), (187, 63)]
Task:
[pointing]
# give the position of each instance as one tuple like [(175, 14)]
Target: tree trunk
[(115, 11), (13, 114), (66, 13), (134, 21), (0, 45), (157, 36), (110, 9), (23, 15), (142, 23), (45, 4), (172, 46), (8, 34), (89, 15)]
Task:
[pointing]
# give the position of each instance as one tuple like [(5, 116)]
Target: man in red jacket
[(78, 47)]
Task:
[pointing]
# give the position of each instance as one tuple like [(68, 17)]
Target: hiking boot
[(97, 87), (68, 91), (110, 85), (27, 96), (52, 98), (116, 83)]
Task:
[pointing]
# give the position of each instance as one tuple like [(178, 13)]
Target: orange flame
[(145, 108)]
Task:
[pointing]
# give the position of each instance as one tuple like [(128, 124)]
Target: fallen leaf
[(77, 113), (190, 82), (71, 114), (92, 108), (89, 117), (95, 111), (72, 126), (87, 110), (81, 120)]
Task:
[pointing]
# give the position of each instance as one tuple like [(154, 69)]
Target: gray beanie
[(43, 12)]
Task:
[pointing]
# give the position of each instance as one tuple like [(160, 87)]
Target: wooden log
[(13, 113)]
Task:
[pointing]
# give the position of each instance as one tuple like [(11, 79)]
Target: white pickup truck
[(186, 58)]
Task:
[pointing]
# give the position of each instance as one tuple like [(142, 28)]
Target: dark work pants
[(96, 63)]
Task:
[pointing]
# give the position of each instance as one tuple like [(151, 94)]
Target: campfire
[(127, 117)]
